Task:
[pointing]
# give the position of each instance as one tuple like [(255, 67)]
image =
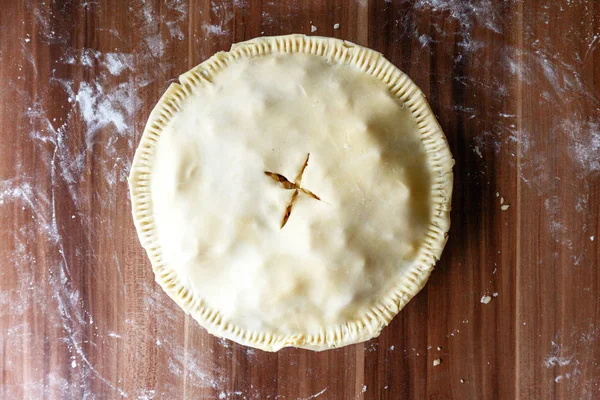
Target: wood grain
[(515, 87)]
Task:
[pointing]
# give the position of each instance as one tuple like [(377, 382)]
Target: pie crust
[(294, 191)]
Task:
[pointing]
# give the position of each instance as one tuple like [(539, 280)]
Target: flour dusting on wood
[(70, 176)]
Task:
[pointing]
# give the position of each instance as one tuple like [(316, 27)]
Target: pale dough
[(220, 173)]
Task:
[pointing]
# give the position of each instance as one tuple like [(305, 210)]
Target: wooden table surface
[(516, 87)]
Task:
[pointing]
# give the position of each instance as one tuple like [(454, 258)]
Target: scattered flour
[(585, 143), (156, 45), (100, 108), (314, 396), (118, 62), (554, 359), (216, 30), (222, 14), (573, 362), (175, 30), (146, 394), (468, 15), (425, 39), (12, 190)]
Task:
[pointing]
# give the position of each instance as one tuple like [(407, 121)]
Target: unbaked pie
[(294, 191)]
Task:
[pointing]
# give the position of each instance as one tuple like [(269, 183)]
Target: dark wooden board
[(515, 85)]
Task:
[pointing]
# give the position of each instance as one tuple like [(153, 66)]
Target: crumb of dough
[(505, 207), (437, 362), (336, 26), (486, 299), (313, 28)]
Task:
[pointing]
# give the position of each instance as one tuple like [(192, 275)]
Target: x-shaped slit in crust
[(295, 186)]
